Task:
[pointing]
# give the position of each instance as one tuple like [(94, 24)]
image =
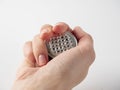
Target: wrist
[(54, 82)]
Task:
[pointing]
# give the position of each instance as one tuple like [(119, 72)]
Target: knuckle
[(61, 23), (86, 48), (88, 52), (27, 49), (77, 27), (90, 37), (36, 37), (91, 54), (27, 43), (46, 26), (29, 54)]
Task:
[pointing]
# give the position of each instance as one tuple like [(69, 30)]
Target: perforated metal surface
[(58, 44)]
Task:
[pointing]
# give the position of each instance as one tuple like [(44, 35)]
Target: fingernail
[(42, 60)]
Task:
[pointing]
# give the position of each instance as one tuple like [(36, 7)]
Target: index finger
[(60, 28)]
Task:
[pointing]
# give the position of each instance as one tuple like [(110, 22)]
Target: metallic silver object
[(60, 43)]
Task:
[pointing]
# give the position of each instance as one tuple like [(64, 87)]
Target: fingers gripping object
[(61, 43)]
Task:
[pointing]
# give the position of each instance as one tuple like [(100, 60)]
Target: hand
[(61, 73)]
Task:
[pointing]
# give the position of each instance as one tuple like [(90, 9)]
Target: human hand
[(61, 73)]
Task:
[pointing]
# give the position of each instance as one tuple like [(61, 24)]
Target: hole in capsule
[(68, 46), (62, 40), (65, 49), (62, 37), (58, 51), (67, 39), (66, 36), (52, 42), (53, 48), (64, 46), (67, 42), (61, 50), (57, 48)]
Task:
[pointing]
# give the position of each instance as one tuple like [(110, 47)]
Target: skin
[(61, 73)]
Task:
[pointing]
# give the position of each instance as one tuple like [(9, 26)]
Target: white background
[(20, 20)]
